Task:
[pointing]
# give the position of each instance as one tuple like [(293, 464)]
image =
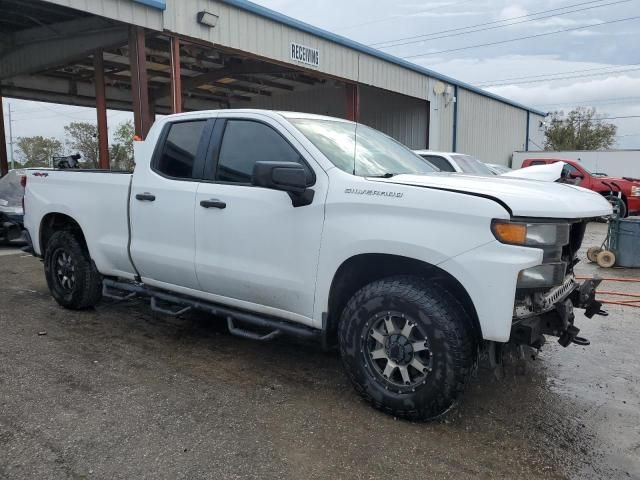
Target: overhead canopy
[(46, 55)]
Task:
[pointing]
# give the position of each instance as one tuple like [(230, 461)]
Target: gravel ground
[(120, 392)]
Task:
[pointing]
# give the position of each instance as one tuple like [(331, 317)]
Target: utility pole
[(11, 139)]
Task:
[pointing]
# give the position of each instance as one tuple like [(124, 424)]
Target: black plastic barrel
[(628, 254)]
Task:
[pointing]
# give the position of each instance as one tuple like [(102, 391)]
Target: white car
[(455, 162), (462, 163), (497, 169), (310, 226)]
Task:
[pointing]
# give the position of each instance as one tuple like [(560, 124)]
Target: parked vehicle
[(11, 213), (461, 163), (315, 227), (497, 169), (552, 172), (455, 162), (628, 189)]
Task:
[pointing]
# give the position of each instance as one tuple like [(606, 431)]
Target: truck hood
[(524, 198)]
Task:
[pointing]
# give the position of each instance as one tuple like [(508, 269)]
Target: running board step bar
[(126, 290), (165, 311), (239, 332)]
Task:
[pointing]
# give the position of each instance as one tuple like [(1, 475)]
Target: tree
[(580, 129), (82, 137), (121, 151), (37, 151)]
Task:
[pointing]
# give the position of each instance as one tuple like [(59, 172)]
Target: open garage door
[(404, 118)]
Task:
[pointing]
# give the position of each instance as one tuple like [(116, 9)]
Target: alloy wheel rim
[(397, 350), (64, 270)]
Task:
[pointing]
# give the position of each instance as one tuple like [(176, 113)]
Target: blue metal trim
[(526, 146), (454, 143), (159, 4), (332, 37)]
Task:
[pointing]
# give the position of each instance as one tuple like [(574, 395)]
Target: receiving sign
[(308, 56)]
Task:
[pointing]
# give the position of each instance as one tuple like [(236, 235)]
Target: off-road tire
[(453, 345), (87, 289)]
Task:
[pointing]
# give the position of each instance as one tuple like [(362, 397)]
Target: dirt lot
[(120, 392)]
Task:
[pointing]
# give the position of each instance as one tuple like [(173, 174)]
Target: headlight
[(543, 276), (635, 191), (531, 234)]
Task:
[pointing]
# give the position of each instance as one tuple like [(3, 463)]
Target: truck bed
[(97, 200)]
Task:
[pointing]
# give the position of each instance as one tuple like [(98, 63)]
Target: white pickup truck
[(319, 228)]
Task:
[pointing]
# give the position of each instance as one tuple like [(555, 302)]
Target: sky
[(576, 52)]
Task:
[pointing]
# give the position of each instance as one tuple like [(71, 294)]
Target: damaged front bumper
[(551, 313)]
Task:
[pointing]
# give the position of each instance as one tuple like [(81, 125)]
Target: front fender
[(489, 274)]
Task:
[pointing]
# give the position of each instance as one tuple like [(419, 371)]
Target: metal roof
[(346, 42)]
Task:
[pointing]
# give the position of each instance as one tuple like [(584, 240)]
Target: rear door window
[(180, 150)]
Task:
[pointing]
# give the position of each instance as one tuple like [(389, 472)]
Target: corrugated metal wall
[(122, 10), (404, 118), (489, 130), (536, 132), (260, 36), (441, 128)]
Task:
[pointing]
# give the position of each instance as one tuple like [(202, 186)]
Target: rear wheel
[(73, 279), (407, 346)]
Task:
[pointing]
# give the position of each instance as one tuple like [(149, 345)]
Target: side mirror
[(285, 176), (288, 177)]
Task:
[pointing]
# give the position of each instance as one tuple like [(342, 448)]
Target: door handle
[(146, 197), (213, 203)]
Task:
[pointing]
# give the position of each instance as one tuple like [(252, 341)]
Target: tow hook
[(570, 336), (570, 333)]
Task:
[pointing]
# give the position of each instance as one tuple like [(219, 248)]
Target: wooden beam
[(139, 84), (176, 76), (268, 83), (101, 110), (232, 87), (239, 69)]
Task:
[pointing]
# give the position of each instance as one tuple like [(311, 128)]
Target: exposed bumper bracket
[(559, 322)]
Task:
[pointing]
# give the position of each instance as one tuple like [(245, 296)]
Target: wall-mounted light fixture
[(208, 19), (449, 95)]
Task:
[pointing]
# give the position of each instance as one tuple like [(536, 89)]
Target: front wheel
[(407, 346), (73, 280)]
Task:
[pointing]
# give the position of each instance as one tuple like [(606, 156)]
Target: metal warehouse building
[(162, 56)]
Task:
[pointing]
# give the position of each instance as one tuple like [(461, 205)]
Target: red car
[(575, 173)]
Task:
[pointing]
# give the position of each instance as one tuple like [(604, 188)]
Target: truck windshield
[(360, 150), (469, 164)]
